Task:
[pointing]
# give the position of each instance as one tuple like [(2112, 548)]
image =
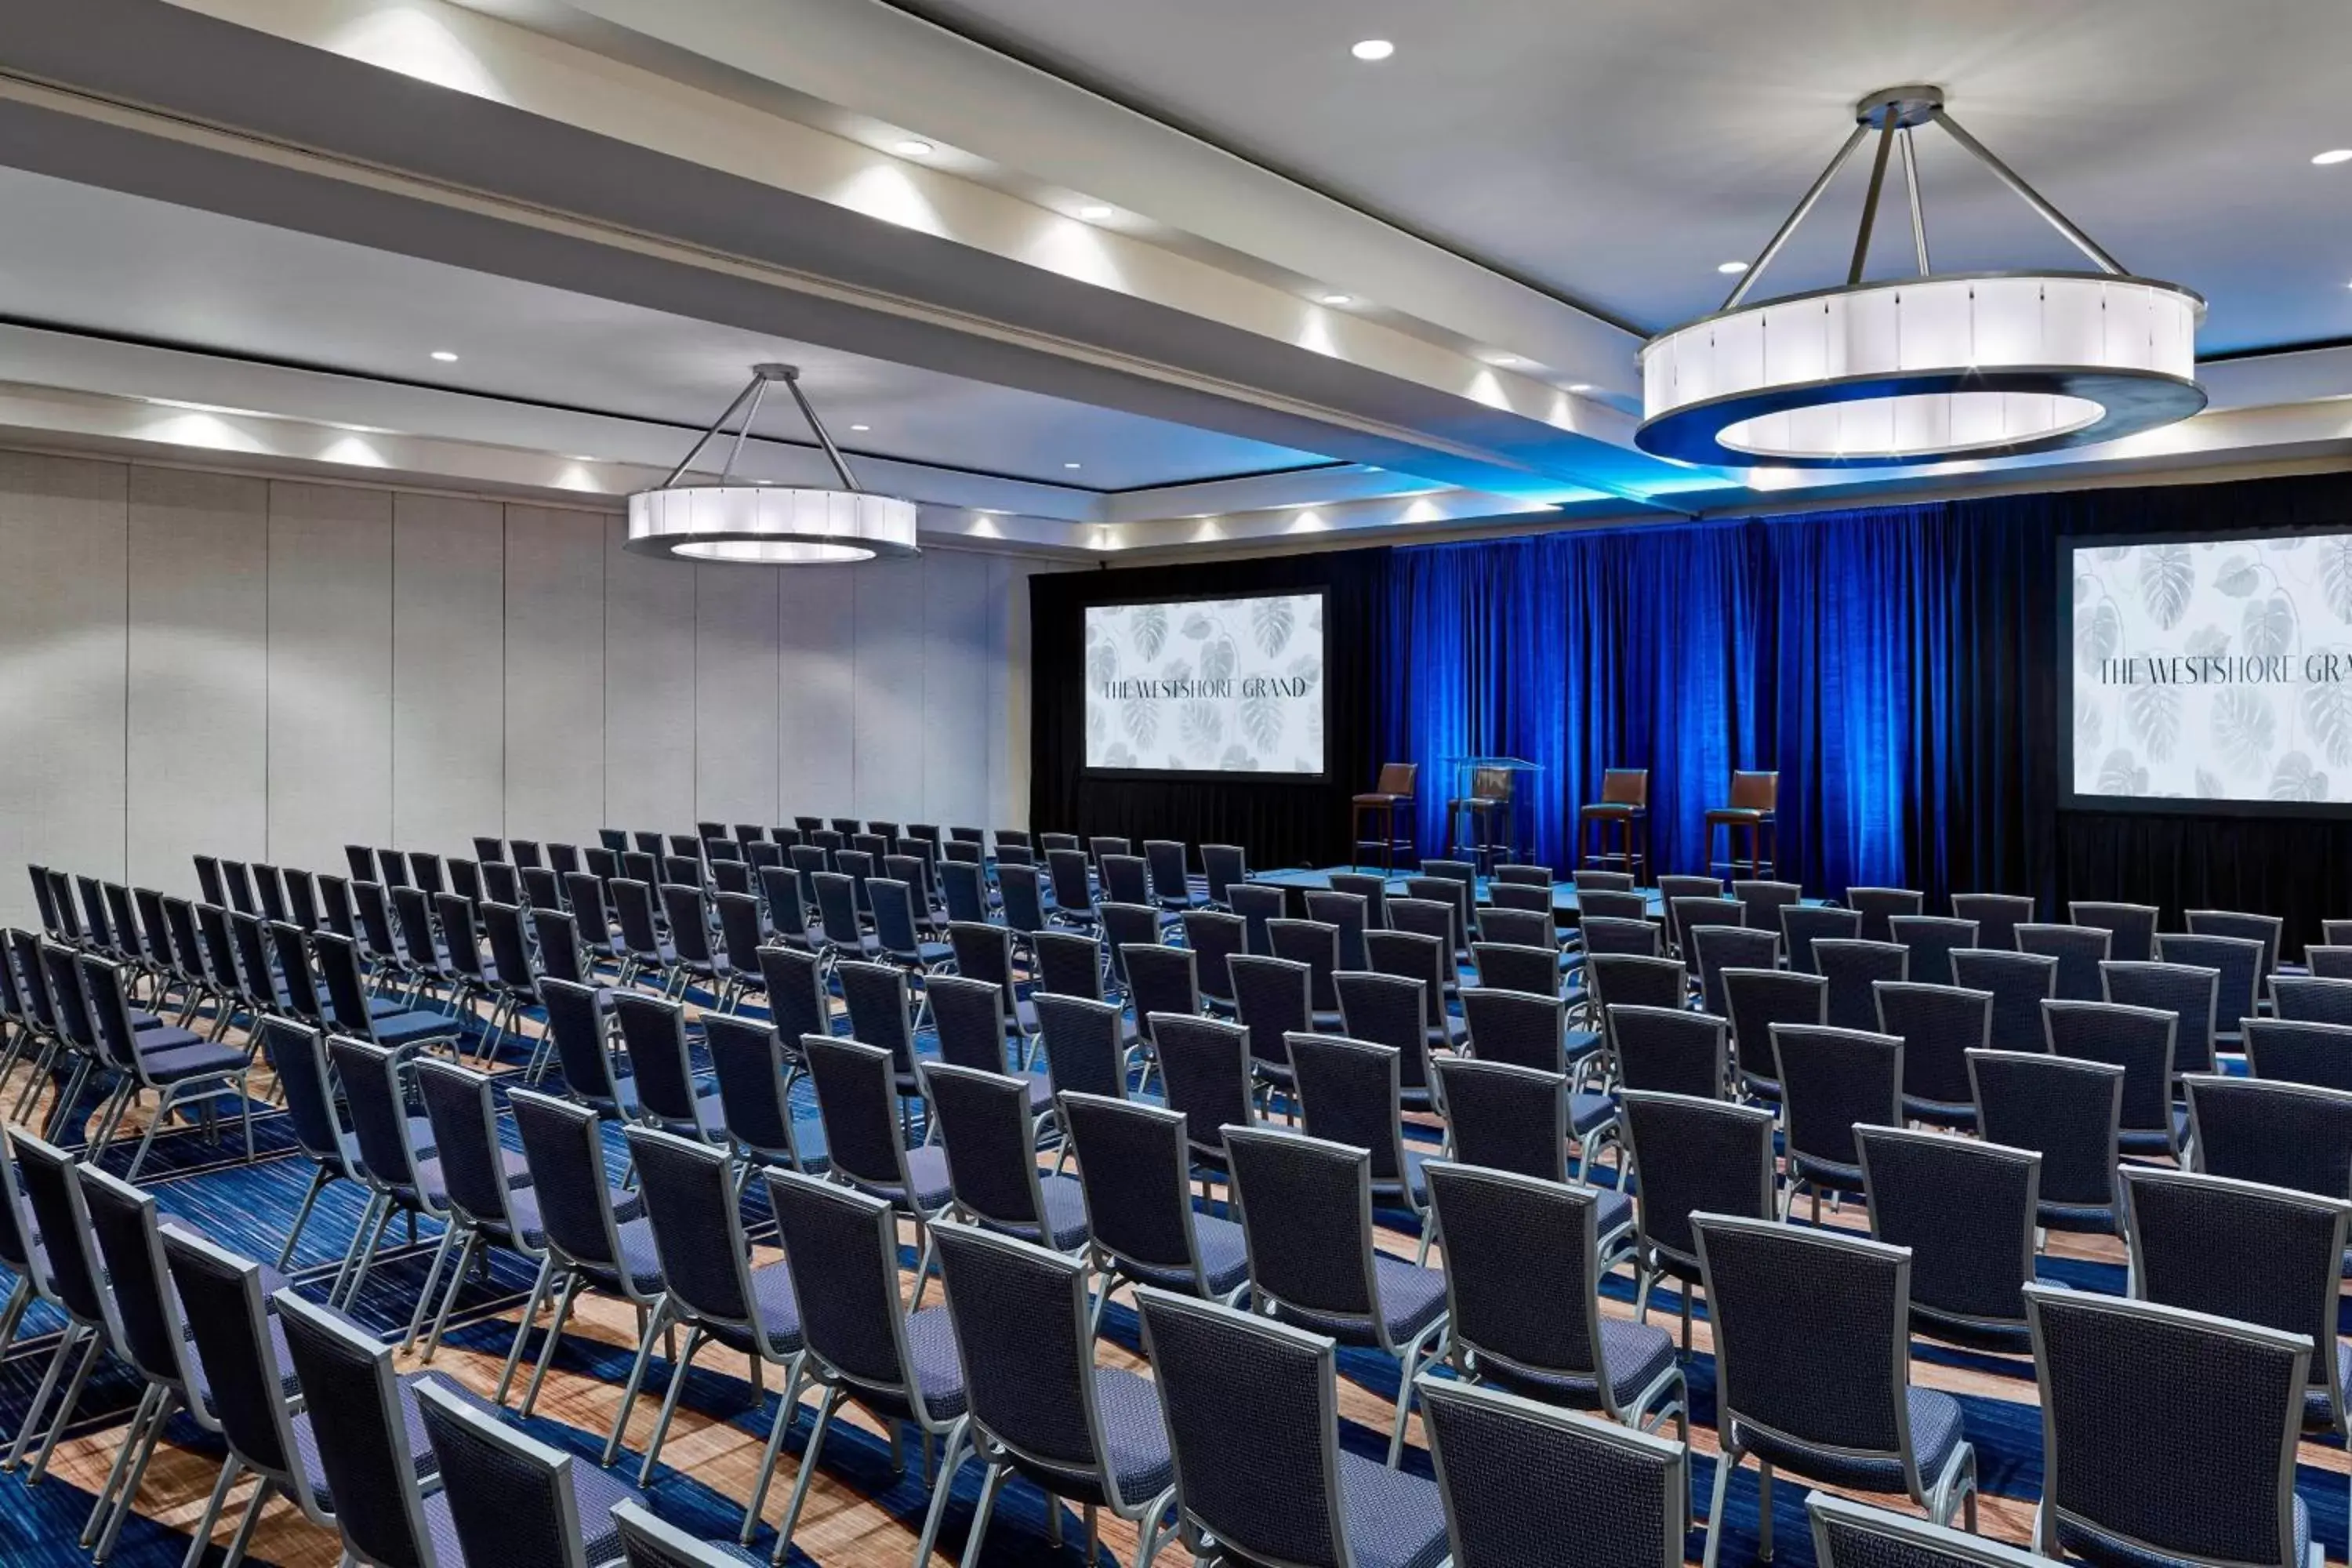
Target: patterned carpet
[(249, 1207)]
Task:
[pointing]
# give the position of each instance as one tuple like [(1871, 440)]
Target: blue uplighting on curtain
[(1827, 648)]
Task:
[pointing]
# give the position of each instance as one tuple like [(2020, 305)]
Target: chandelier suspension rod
[(759, 395), (1789, 226), (716, 425), (1870, 203), (2031, 197), (832, 453), (1918, 216)]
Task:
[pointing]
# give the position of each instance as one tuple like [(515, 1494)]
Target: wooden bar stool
[(1624, 804), (1755, 797), (1398, 781)]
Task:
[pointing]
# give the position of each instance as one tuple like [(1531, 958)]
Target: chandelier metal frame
[(1922, 370), (768, 525)]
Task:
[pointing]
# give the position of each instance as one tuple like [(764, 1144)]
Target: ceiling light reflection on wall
[(761, 524)]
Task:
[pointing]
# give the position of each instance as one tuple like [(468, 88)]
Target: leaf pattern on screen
[(1198, 626), (2269, 627), (2098, 635), (1102, 663), (2335, 575), (2121, 774), (1262, 724), (1150, 631), (1202, 728), (1237, 759), (1271, 621), (2166, 574), (2152, 713), (2296, 779), (2327, 716), (2238, 577), (2244, 730), (2210, 786), (1141, 718), (2089, 725), (1218, 659), (2209, 640)]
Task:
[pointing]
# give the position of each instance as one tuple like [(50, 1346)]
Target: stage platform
[(1563, 894)]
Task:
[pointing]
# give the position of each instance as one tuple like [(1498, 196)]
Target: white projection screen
[(2213, 672), (1206, 686)]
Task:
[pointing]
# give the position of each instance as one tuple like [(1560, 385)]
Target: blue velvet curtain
[(1842, 650)]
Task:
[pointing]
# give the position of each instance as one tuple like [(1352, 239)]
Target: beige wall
[(268, 670)]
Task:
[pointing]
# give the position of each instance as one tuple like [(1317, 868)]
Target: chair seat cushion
[(522, 1203), (1934, 1433), (1740, 813), (1410, 1299), (1942, 1112), (420, 1447), (1634, 1356), (1613, 809), (397, 1030), (2102, 1218), (710, 1119), (938, 1369), (1376, 799), (2315, 1407), (1066, 1215), (1135, 1438), (779, 1313), (1395, 1519), (927, 1167), (1829, 1173), (595, 1494), (437, 1188), (2152, 1140), (1225, 1258), (197, 1059), (1588, 1111)]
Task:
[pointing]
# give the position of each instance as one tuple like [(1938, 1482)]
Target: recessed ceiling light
[(1373, 50), (1505, 361), (445, 357), (914, 147), (1731, 268), (1094, 212), (1580, 386), (861, 428), (1338, 298), (1069, 464), (2334, 156)]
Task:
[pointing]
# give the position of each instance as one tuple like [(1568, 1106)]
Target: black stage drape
[(1902, 666)]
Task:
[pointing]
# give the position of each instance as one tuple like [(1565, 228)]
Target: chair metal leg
[(367, 1256), (1725, 1463), (124, 1504), (1763, 1511), (203, 1533), (318, 1180), (57, 1370), (783, 1424), (678, 1370), (352, 1252), (942, 1485), (244, 1537), (476, 1247), (432, 1278), (572, 1289), (66, 1407), (825, 1408), (989, 1484), (14, 1313), (654, 1322), (104, 1504), (522, 1330)]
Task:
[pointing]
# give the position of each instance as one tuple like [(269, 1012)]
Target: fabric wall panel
[(649, 706), (554, 580), (735, 694), (448, 680)]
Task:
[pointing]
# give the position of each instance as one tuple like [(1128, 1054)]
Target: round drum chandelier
[(768, 525), (1928, 369)]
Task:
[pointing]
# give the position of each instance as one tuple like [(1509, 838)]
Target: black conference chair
[(2284, 1135), (1348, 1092), (2131, 928), (1802, 925), (1704, 1155), (1838, 1409), (509, 1499), (1849, 1535), (1940, 1026), (990, 1134), (2139, 1041), (1134, 1169), (1997, 917), (1878, 906), (2297, 1052), (2081, 952), (1932, 940), (2313, 998), (1854, 970), (1760, 1003), (1970, 1212), (2019, 983), (1669, 1050), (1834, 1082), (2068, 1112)]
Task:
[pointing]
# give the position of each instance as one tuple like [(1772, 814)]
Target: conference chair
[(1167, 980), (488, 1206), (1424, 959), (1764, 899), (1704, 1155), (2313, 998), (1073, 887), (2082, 952), (1373, 890), (1849, 1535), (176, 1067), (2190, 992), (2068, 1110), (1224, 866), (1686, 918), (2282, 1134), (1834, 1082), (1134, 1173), (2132, 928), (75, 1285), (1717, 943), (1509, 966), (1940, 1026), (668, 1093), (968, 1022), (856, 1092), (1931, 941), (397, 1160), (2268, 930), (1388, 1010), (507, 1497), (1348, 1093), (1624, 907), (2295, 1052), (1347, 915), (2138, 1040), (1509, 1118), (1854, 969), (20, 1255), (1621, 1496), (755, 1071), (1970, 1212), (900, 1364), (1997, 917), (1259, 905), (1274, 999), (1879, 906), (2218, 1424), (1837, 1409), (984, 952), (711, 1290), (1252, 1408), (1207, 1070), (1802, 925), (989, 1132), (1085, 1046), (881, 1008), (1759, 1002), (2020, 984), (2236, 965), (1523, 1266), (1042, 1406), (1669, 1050), (1125, 879), (1068, 963), (1585, 879)]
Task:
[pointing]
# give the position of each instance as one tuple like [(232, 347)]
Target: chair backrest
[(1755, 791), (1134, 1169), (1400, 779), (1848, 1534), (2239, 1249), (2136, 1039), (1025, 905), (689, 1196), (1390, 1010), (1878, 906), (1316, 945), (1126, 879), (1432, 907), (1225, 867), (843, 1249), (1515, 1474), (894, 918), (464, 1115), (363, 1450), (1997, 917), (2327, 963), (1931, 940), (836, 908), (1214, 938), (2066, 1109), (298, 1055), (2236, 965), (1415, 955), (1522, 1272), (1348, 1093), (564, 1152), (1524, 901), (1069, 963), (1758, 1001), (1081, 1038), (2283, 1134), (1854, 969), (747, 1057), (511, 945), (2299, 1052), (2190, 991), (1967, 1210), (1273, 997), (371, 1076), (881, 1009), (2081, 952), (984, 952), (856, 1100), (1205, 1065), (1252, 1408), (1164, 979), (1720, 945), (2132, 928), (1505, 966), (654, 1030), (1505, 1117), (122, 1221), (221, 1301), (575, 1023), (968, 1019), (1021, 1331), (1771, 1286), (1940, 1026), (1305, 1208), (1170, 883), (964, 886), (793, 981), (52, 1188), (1669, 1050), (510, 1496), (1073, 888), (1368, 886), (2195, 1463), (992, 1143), (1831, 1081), (466, 879), (2019, 983), (1687, 918), (1703, 1155), (1586, 880), (1514, 1026), (1802, 925), (1349, 915), (413, 912), (2313, 998)]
